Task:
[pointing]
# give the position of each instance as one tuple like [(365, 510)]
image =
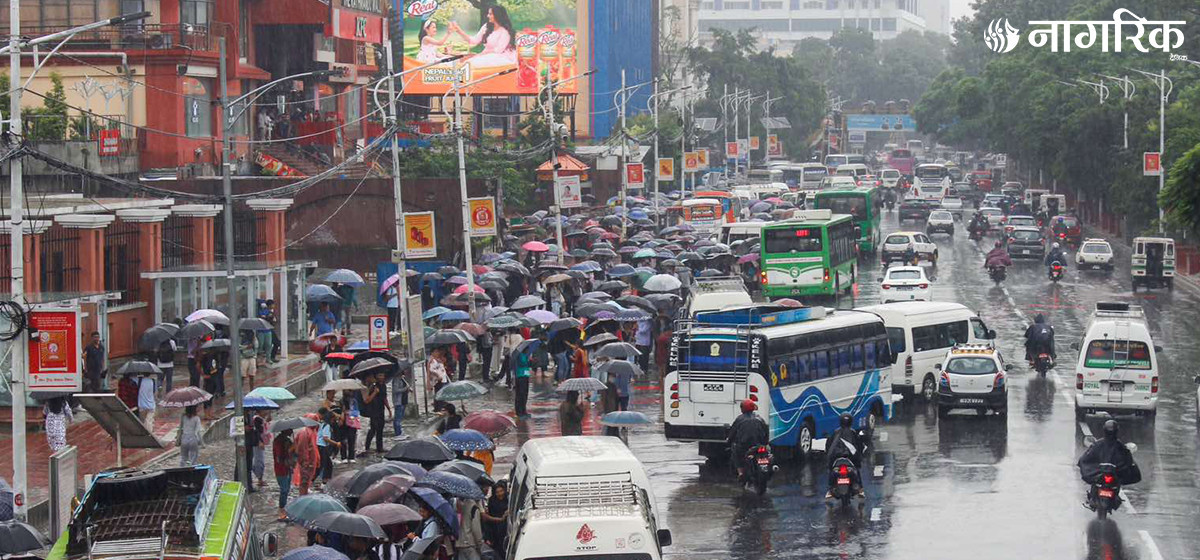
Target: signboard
[(743, 147), (881, 123), (419, 239), (634, 175), (1001, 160), (483, 216), (415, 325), (357, 26), (55, 352), (64, 477), (857, 136), (1151, 164), (570, 194), (691, 162), (834, 141), (110, 142), (378, 335), (731, 150), (543, 46), (666, 170), (702, 157), (754, 143), (774, 147), (707, 124)]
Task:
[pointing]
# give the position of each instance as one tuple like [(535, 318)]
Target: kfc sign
[(357, 27)]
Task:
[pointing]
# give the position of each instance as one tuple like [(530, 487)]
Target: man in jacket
[(747, 430), (846, 443)]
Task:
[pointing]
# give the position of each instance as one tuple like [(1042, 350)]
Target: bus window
[(855, 205), (799, 240)]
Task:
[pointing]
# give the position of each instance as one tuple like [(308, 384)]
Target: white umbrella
[(662, 283), (348, 384), (210, 315)]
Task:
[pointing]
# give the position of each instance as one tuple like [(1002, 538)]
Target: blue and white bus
[(804, 367)]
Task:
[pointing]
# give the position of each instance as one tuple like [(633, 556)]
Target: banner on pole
[(570, 194), (774, 148), (691, 162), (743, 147), (754, 143), (702, 158), (635, 175), (378, 332), (666, 170), (419, 239), (55, 352), (483, 216), (731, 149), (1151, 164)]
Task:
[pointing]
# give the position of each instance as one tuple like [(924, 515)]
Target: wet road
[(991, 487)]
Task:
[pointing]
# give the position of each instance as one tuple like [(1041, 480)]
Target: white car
[(889, 177), (1094, 253), (896, 244), (952, 203), (905, 283), (940, 221), (994, 215), (973, 376)]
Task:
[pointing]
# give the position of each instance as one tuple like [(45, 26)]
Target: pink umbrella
[(463, 289), (482, 269), (774, 200), (542, 316), (787, 302), (535, 247), (388, 283)]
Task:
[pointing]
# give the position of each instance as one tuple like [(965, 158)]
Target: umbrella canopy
[(466, 439), (466, 467), (619, 367), (294, 423), (348, 384), (370, 474), (663, 301), (434, 312), (309, 506), (447, 337), (349, 524), (344, 276), (565, 323), (542, 316), (581, 384), (612, 286), (339, 358), (556, 278), (17, 538), (372, 366), (183, 397), (535, 247), (631, 315), (273, 393), (155, 336), (426, 449), (413, 469), (254, 324), (662, 283), (489, 422), (392, 281), (389, 514), (463, 289), (461, 391), (322, 342), (386, 490), (441, 508), (617, 351), (139, 367), (527, 302), (599, 339), (473, 329), (455, 316), (645, 254), (320, 293), (504, 322), (513, 267), (255, 403), (596, 295), (636, 301), (215, 343), (624, 419), (211, 315), (314, 552), (196, 329), (337, 486), (621, 270), (451, 484)]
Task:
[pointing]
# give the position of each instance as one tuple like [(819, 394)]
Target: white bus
[(931, 181), (704, 214), (804, 367)]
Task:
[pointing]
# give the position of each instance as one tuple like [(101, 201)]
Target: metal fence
[(137, 36), (245, 235), (122, 261), (60, 260), (177, 230)]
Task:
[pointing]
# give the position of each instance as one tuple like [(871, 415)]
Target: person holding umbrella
[(249, 356), (190, 436), (570, 415), (308, 460), (165, 358), (145, 400), (374, 407), (283, 454), (326, 444), (436, 377), (322, 322)]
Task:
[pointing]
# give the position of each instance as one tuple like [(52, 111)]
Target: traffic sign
[(378, 334)]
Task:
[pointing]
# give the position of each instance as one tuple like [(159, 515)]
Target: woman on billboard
[(497, 37)]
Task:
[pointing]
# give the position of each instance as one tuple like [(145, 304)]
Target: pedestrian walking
[(495, 518), (193, 362), (643, 339), (146, 401), (190, 437), (257, 437), (308, 458), (462, 358), (165, 358), (400, 386), (322, 322), (579, 360), (570, 415), (208, 370), (449, 419), (326, 444), (375, 408), (436, 377), (348, 304), (249, 356), (351, 423), (94, 357), (283, 453), (521, 372), (469, 544), (58, 416), (609, 402), (127, 391)]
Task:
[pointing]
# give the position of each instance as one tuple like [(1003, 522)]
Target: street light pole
[(1165, 85), (235, 333), (554, 137), (16, 245), (624, 161), (1127, 90), (725, 128), (654, 111)]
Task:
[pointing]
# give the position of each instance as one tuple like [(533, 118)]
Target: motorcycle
[(1055, 272), (760, 465), (890, 202), (1105, 494), (997, 274), (1042, 363), (844, 475)]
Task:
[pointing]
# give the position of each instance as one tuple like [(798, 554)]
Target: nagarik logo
[(1001, 36)]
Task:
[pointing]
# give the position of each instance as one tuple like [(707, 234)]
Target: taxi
[(973, 376)]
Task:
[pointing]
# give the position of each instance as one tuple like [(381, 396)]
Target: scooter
[(760, 465), (1042, 363), (997, 274), (1105, 494), (1055, 272), (843, 475)]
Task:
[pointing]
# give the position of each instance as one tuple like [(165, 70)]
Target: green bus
[(863, 204), (810, 254)]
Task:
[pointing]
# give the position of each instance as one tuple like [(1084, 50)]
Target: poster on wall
[(538, 38), (702, 158), (54, 351)]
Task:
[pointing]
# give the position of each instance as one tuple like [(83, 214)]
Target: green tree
[(49, 122), (1181, 194)]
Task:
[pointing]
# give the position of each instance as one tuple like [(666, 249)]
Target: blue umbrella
[(455, 316), (306, 508), (464, 439), (452, 484), (434, 312), (344, 276), (624, 419), (621, 270), (314, 552), (441, 508), (638, 214), (320, 293), (254, 402), (359, 346), (645, 254)]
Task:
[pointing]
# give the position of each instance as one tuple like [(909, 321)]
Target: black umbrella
[(196, 329), (599, 339), (139, 367), (566, 323), (372, 366), (513, 267), (590, 309), (18, 538), (426, 449), (612, 286), (617, 350), (636, 301), (291, 424), (447, 337), (216, 343), (155, 336), (254, 324), (349, 524), (619, 367), (663, 301), (369, 475), (448, 270)]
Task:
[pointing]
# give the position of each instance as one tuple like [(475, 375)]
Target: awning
[(568, 166)]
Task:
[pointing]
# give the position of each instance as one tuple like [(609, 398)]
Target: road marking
[(1128, 503), (1067, 399), (883, 436), (877, 514), (1150, 546), (878, 471)]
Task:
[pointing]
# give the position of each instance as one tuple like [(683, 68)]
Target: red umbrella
[(386, 490), (322, 342), (489, 422), (463, 289), (535, 247), (481, 269), (787, 302), (473, 329), (184, 397), (609, 235)]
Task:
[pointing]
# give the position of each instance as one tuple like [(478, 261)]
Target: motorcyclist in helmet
[(1039, 337), (849, 443), (747, 430), (978, 223), (1109, 449), (997, 257), (1056, 254), (1060, 227)]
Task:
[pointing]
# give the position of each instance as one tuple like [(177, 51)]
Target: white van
[(740, 230), (920, 334), (768, 190), (582, 497), (855, 170), (714, 293), (1117, 371)]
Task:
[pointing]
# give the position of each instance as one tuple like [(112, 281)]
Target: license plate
[(971, 401), (1116, 387), (1106, 493), (764, 461), (1025, 252), (904, 288), (843, 481)]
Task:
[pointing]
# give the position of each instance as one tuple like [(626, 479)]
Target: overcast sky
[(960, 8)]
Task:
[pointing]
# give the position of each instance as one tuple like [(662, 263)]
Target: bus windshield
[(792, 240), (714, 355), (1117, 354), (902, 153), (853, 204), (931, 172), (833, 160)]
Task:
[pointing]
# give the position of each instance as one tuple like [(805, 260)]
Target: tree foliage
[(49, 122)]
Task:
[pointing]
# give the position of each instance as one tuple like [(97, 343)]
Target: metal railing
[(60, 260), (122, 263), (145, 36)]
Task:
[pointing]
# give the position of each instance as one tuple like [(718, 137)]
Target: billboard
[(483, 216), (54, 354), (666, 170), (420, 242), (888, 123), (538, 38), (570, 191)]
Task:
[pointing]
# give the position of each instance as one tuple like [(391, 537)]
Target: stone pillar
[(272, 228), (91, 247), (149, 247), (33, 251), (202, 240)]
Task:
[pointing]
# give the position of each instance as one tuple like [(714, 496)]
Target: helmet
[(1054, 246), (1110, 429), (1039, 319), (1061, 220), (998, 244), (748, 406), (845, 420)]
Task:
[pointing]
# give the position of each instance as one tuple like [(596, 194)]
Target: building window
[(878, 4), (132, 7), (737, 5), (197, 107), (353, 111), (831, 4), (196, 12), (814, 5), (889, 24), (874, 24), (240, 127), (706, 5), (327, 104), (765, 5), (244, 30)]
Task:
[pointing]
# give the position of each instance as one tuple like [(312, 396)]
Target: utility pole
[(468, 263), (1165, 85), (397, 196), (737, 128), (235, 334), (624, 158), (725, 128), (683, 134), (558, 209), (16, 199)]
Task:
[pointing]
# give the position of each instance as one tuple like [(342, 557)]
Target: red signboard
[(635, 175), (357, 26), (1151, 163), (110, 142), (54, 351)]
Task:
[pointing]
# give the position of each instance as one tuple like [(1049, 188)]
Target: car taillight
[(1079, 381), (998, 382), (843, 470), (753, 389), (674, 386), (908, 368), (945, 380), (754, 398), (1108, 479), (674, 396), (762, 449), (923, 286), (826, 274), (763, 277), (1154, 386), (886, 286)]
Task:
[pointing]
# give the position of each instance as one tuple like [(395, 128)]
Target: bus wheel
[(804, 441)]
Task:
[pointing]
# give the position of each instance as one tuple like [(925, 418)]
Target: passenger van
[(920, 334), (856, 170), (739, 231), (582, 497), (1117, 371)]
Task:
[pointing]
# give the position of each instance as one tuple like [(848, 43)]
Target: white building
[(783, 23), (936, 14)]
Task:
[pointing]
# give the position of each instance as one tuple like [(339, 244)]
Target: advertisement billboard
[(635, 175), (420, 242), (483, 216), (538, 38), (702, 158), (54, 354), (691, 162), (570, 191), (889, 123), (666, 170)]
